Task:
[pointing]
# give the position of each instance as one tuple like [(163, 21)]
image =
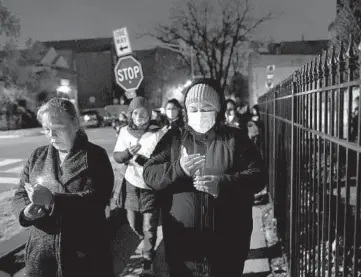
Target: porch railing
[(312, 149)]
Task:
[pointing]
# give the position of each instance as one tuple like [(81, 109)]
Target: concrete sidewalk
[(127, 259), (257, 264)]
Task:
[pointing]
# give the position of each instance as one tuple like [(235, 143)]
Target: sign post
[(121, 42), (128, 73), (270, 75)]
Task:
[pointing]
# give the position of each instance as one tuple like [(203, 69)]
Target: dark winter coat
[(71, 240), (197, 226), (179, 123)]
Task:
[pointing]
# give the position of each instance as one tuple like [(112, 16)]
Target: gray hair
[(57, 105)]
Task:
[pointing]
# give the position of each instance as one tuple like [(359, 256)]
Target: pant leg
[(150, 225), (135, 222)]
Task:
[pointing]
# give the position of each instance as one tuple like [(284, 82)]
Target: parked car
[(108, 119), (90, 118)]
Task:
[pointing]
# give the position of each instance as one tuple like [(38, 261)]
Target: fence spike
[(306, 74), (320, 71), (310, 72), (315, 69), (325, 64), (351, 51), (332, 61), (341, 54), (326, 68)]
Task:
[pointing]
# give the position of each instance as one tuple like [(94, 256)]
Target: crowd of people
[(197, 168)]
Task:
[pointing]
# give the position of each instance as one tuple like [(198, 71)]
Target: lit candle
[(39, 180)]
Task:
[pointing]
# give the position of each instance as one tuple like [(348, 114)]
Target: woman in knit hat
[(208, 173), (134, 145)]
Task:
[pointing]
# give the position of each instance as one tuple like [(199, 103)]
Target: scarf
[(138, 133)]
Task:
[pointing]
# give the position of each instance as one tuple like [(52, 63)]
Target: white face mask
[(202, 122)]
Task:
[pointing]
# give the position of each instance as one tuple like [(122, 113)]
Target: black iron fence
[(312, 148)]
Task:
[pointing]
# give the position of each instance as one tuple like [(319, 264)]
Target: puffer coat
[(203, 235)]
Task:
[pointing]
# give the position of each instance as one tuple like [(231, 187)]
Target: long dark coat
[(205, 235), (70, 240)]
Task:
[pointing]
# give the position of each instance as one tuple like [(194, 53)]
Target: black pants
[(145, 227)]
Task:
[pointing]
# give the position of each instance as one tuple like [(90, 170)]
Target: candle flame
[(39, 180)]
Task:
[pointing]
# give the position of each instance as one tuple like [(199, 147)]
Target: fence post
[(274, 95), (293, 232)]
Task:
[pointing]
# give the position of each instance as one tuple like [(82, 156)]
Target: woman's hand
[(33, 212), (134, 149), (191, 163), (208, 184), (39, 194)]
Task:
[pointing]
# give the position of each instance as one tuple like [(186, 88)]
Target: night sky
[(72, 19)]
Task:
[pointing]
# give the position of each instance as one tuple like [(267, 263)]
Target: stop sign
[(128, 73)]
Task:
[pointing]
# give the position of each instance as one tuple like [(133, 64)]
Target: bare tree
[(348, 21), (215, 30)]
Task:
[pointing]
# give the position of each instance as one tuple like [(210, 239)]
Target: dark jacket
[(71, 240), (194, 223), (179, 123)]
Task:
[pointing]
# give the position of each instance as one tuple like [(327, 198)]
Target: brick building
[(94, 61)]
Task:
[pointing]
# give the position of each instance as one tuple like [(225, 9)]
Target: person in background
[(208, 173), (134, 146), (254, 125), (120, 122), (63, 191), (231, 115), (173, 111), (244, 115), (354, 120)]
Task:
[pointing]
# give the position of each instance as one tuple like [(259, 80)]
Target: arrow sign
[(121, 41), (122, 48)]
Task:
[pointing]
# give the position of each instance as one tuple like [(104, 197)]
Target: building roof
[(302, 47), (82, 45), (264, 60)]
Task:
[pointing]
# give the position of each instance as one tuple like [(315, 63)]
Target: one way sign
[(121, 42)]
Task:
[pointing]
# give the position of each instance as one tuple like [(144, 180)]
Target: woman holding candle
[(134, 146), (208, 174), (62, 195)]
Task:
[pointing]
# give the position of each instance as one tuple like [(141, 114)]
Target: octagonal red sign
[(128, 73)]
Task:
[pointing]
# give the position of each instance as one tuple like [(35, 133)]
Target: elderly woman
[(208, 173), (62, 195)]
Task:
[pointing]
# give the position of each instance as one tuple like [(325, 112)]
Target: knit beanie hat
[(139, 102), (203, 93)]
